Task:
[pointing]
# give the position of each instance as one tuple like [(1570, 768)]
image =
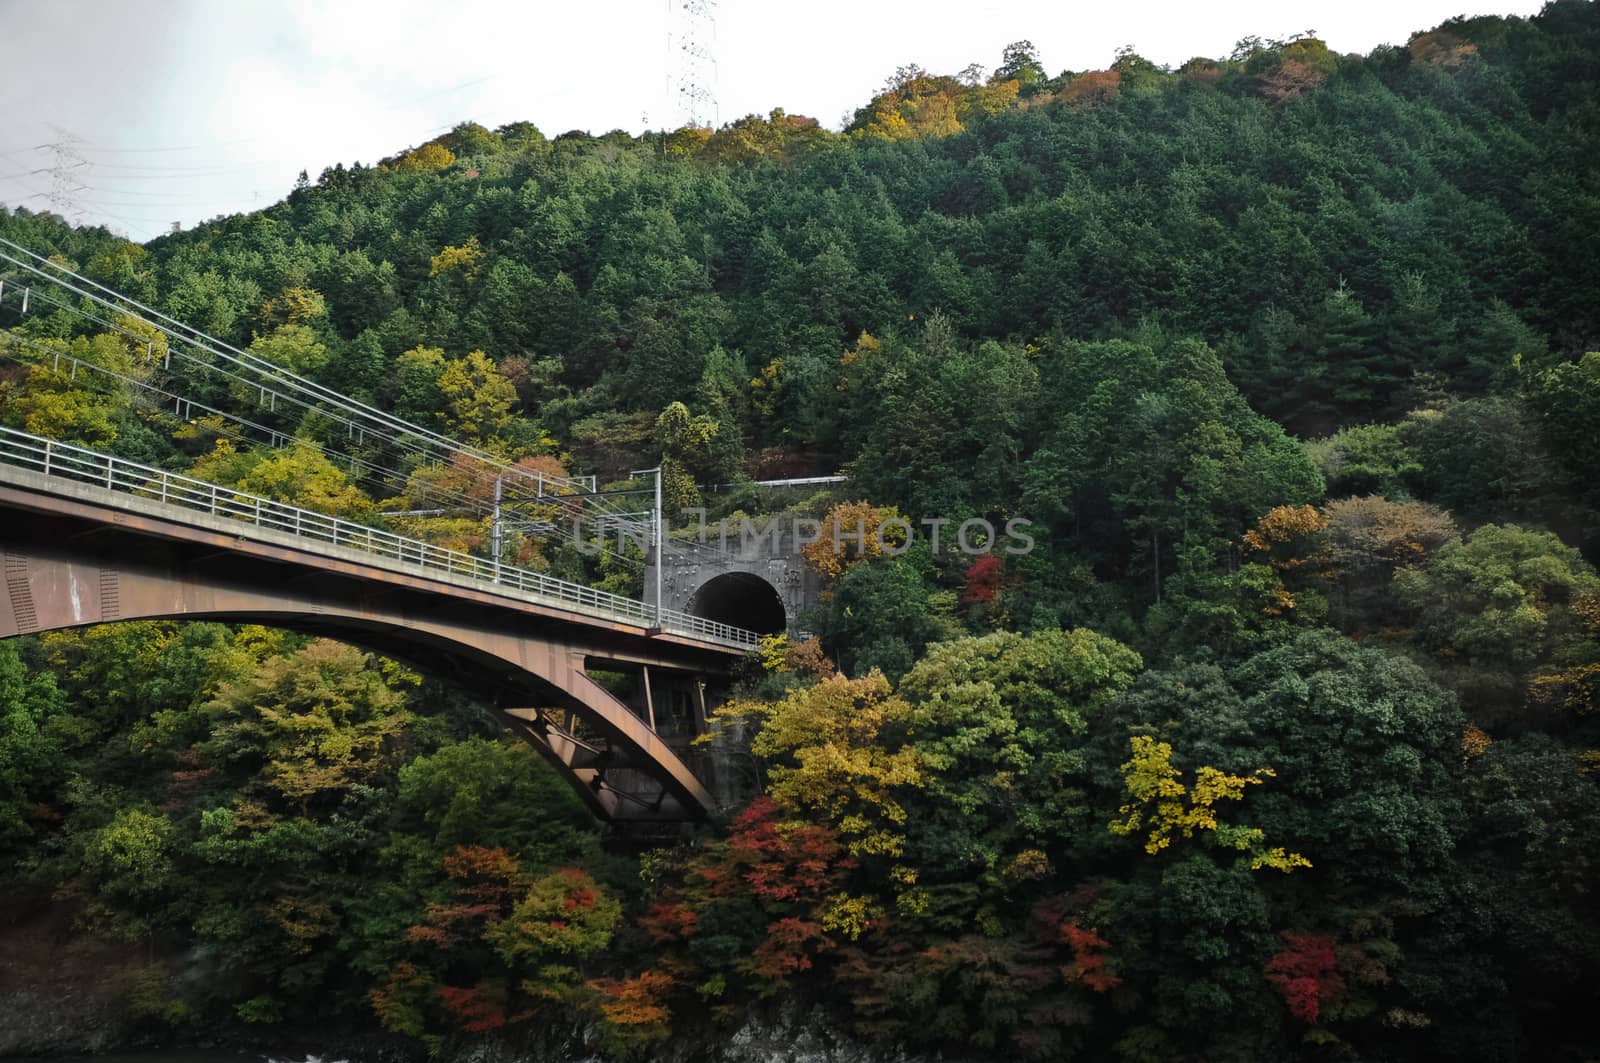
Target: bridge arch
[(539, 687), (742, 599), (72, 562)]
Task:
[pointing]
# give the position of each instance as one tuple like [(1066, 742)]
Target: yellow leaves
[(1441, 49), (303, 921), (866, 346), (1475, 741), (429, 157), (1278, 859), (773, 651), (465, 258), (294, 306), (477, 398), (851, 533), (293, 346), (1149, 779), (825, 745), (919, 105), (1026, 866), (765, 387), (1284, 525), (1158, 801), (850, 915), (779, 655), (686, 141), (1576, 689)]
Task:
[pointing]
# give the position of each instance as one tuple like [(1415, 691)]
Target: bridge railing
[(82, 465)]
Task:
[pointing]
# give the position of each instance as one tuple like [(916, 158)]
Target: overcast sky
[(180, 110)]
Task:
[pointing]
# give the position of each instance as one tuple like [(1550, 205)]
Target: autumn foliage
[(851, 533), (1303, 973), (1093, 89)]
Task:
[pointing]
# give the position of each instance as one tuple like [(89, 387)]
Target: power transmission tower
[(697, 64), (67, 157)]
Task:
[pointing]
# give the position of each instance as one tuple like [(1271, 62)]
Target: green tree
[(32, 760), (1509, 617), (997, 722)]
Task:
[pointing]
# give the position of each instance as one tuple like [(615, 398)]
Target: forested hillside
[(1281, 742)]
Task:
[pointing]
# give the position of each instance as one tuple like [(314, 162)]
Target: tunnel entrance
[(743, 600)]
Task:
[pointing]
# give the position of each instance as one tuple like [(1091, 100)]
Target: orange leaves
[(477, 861), (488, 876), (1088, 964), (399, 1002), (1475, 741), (638, 1001), (807, 659), (1093, 89)]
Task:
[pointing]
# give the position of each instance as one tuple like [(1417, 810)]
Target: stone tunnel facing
[(743, 600)]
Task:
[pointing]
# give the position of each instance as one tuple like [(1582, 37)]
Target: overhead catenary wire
[(359, 416), (184, 404), (98, 293), (396, 476), (274, 382)]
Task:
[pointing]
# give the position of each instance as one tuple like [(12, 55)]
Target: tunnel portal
[(742, 599)]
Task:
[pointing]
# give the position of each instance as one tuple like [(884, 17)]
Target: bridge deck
[(55, 470)]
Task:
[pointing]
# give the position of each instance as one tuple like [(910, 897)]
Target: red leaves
[(474, 1006), (667, 922), (784, 861), (580, 898), (1088, 964), (984, 580), (786, 948), (787, 873), (1304, 974)]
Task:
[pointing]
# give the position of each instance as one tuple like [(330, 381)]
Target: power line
[(273, 384), (185, 407)]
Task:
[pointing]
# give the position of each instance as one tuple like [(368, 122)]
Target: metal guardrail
[(114, 474)]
